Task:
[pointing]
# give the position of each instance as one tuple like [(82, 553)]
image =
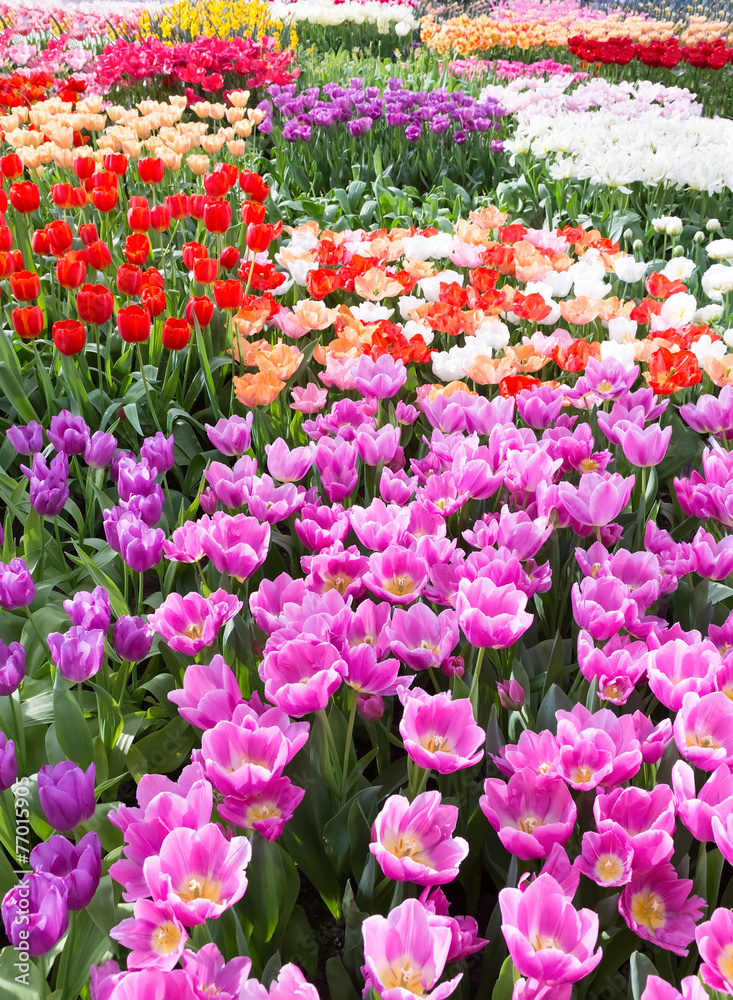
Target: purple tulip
[(141, 547), (28, 439), (210, 694), (100, 450), (231, 486), (598, 500), (67, 794), (118, 457), (491, 616), (231, 436), (36, 913), (236, 545), (8, 763), (379, 379), (16, 585), (78, 653), (49, 488), (90, 610), (68, 434), (12, 667), (79, 866), (135, 478), (289, 465), (132, 638), (147, 508), (157, 451)]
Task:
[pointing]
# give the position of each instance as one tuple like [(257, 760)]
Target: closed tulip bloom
[(71, 269), (68, 336), (157, 451), (28, 321), (36, 913), (141, 547), (26, 439), (217, 215), (440, 733), (406, 953), (129, 279), (16, 585), (175, 334), (104, 199), (25, 286), (11, 165), (531, 813), (657, 905), (79, 866), (94, 304), (132, 638), (8, 763), (100, 450), (12, 667), (703, 730), (228, 294), (598, 499), (133, 324), (413, 841), (78, 653), (199, 309), (645, 446), (24, 197), (289, 465), (67, 794), (380, 379), (68, 433), (253, 186), (205, 270), (150, 169), (160, 218), (677, 667), (136, 248), (491, 616), (98, 255), (49, 488), (602, 606), (210, 694), (90, 610), (236, 545), (198, 873), (646, 818), (548, 939), (155, 937), (190, 623)]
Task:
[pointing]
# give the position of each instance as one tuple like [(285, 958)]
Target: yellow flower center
[(166, 938), (647, 908), (200, 887), (609, 868), (194, 631), (405, 977)]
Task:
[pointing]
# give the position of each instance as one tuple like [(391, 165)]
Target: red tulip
[(71, 269), (40, 243), (260, 236), (68, 336), (98, 255), (177, 205), (253, 212), (229, 258), (150, 169), (205, 270), (116, 163), (62, 195), (192, 252), (83, 166), (79, 197), (28, 321), (6, 238), (104, 199), (24, 197), (228, 294), (153, 277), (7, 264), (88, 233), (129, 279), (137, 248), (217, 215), (17, 259), (11, 165), (175, 333), (197, 205), (153, 300), (133, 322), (138, 218), (160, 218), (216, 185), (202, 308), (104, 179), (253, 186), (25, 285), (60, 236), (94, 304), (230, 170)]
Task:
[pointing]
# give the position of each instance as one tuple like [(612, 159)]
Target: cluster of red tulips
[(666, 54)]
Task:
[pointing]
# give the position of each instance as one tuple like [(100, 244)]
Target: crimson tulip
[(175, 333), (150, 169), (71, 269), (24, 197), (228, 294), (217, 215), (62, 195), (98, 255), (25, 286), (160, 218), (28, 321), (68, 336), (133, 323), (94, 303), (153, 277), (230, 170), (216, 185), (79, 197), (6, 238), (201, 308), (253, 186), (205, 270), (136, 248), (129, 279), (40, 243), (229, 258), (138, 218), (153, 300), (60, 236), (259, 236), (197, 206), (88, 233), (83, 166)]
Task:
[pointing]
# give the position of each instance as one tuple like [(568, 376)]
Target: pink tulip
[(657, 905), (440, 733), (289, 984), (698, 809), (405, 953), (396, 575), (413, 842), (266, 811), (606, 858), (531, 812), (301, 675), (715, 943), (210, 975), (491, 616), (659, 989), (157, 938), (548, 939), (236, 545), (210, 693), (703, 730), (239, 760), (189, 624)]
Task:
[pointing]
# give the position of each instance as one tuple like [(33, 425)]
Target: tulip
[(129, 279), (659, 989), (115, 163), (25, 286), (94, 304), (141, 547), (175, 334), (260, 235), (104, 199), (7, 265), (703, 730), (98, 255), (136, 248), (78, 653), (16, 585), (26, 439), (90, 610), (153, 300), (231, 436), (439, 732), (132, 638), (133, 324), (228, 294), (71, 269), (205, 270), (138, 218), (68, 336), (379, 379), (657, 905), (11, 165), (199, 309), (67, 794), (8, 763), (217, 215), (160, 218), (177, 205), (715, 944), (68, 434), (548, 939), (491, 616), (12, 667), (229, 258), (100, 450), (36, 913), (28, 321), (253, 186), (236, 545), (531, 813), (253, 213), (60, 236), (190, 623), (24, 197), (301, 675), (49, 488), (79, 866), (150, 169), (40, 243)]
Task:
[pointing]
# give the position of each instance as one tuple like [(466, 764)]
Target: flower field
[(366, 497)]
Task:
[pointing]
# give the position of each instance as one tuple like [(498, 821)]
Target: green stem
[(44, 644), (347, 746), (473, 694), (151, 407)]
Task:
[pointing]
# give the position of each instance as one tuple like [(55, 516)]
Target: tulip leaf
[(117, 601), (109, 716), (19, 980), (86, 945), (641, 969), (504, 987), (339, 981), (70, 726)]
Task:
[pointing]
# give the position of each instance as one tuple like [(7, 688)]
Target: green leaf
[(505, 983), (339, 981), (19, 981), (109, 715), (86, 945), (72, 730), (641, 969), (117, 601)]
